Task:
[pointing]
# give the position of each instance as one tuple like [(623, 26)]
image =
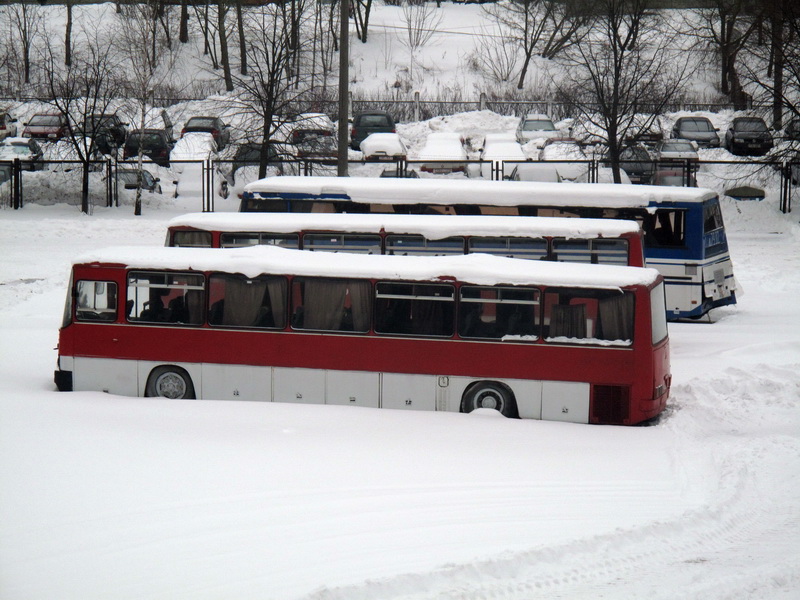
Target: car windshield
[(696, 125), (148, 139), (374, 121), (538, 125), (128, 177), (677, 147), (750, 125), (15, 148), (48, 120)]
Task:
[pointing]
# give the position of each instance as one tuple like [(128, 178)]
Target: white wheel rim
[(170, 385)]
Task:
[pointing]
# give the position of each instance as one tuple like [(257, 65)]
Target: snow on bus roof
[(374, 190), (480, 269), (433, 227)]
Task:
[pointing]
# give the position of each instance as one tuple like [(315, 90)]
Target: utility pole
[(344, 59)]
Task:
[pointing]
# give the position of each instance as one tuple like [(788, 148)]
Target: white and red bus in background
[(596, 241), (531, 339), (684, 235)]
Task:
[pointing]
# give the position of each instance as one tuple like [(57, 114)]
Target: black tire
[(490, 394), (169, 382)]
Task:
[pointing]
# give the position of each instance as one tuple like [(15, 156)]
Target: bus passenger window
[(602, 317), (499, 313), (415, 309), (191, 239), (237, 301), (160, 297), (96, 301), (331, 304)]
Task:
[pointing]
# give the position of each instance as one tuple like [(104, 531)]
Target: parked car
[(748, 136), (365, 123), (792, 130), (498, 148), (699, 130), (46, 126), (314, 137), (535, 171), (571, 162), (155, 144), (194, 146), (677, 151), (443, 152), (129, 178), (213, 125), (536, 126), (393, 172), (107, 130), (8, 125), (383, 146), (674, 177), (27, 150), (248, 155), (637, 163), (605, 175)]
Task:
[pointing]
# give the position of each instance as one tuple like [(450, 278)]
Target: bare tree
[(87, 86), (621, 79), (222, 11), (420, 21), (495, 55), (27, 25), (148, 60), (271, 88), (360, 12), (543, 27), (725, 26)]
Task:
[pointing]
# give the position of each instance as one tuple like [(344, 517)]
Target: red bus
[(531, 339), (597, 241)]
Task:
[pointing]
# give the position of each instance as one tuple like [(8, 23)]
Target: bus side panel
[(236, 382), (106, 374), (300, 386), (565, 401), (352, 388), (408, 392)]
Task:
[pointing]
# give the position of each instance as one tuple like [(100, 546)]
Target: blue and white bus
[(683, 227)]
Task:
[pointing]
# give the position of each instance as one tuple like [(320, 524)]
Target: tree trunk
[(68, 37), (242, 41), (183, 35), (223, 45)]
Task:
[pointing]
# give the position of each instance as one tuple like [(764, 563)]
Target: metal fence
[(207, 181)]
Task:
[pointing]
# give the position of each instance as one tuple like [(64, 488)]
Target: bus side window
[(96, 301), (331, 304)]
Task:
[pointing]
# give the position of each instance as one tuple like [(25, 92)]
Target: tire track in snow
[(738, 543)]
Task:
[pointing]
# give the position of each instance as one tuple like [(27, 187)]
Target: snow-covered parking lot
[(104, 496)]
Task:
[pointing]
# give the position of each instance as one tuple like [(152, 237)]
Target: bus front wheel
[(489, 394), (169, 382)]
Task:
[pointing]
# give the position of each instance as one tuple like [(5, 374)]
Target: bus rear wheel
[(489, 394), (169, 382)]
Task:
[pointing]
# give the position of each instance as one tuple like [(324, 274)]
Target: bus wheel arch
[(490, 394), (169, 381)]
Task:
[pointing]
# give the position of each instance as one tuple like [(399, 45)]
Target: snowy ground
[(129, 498)]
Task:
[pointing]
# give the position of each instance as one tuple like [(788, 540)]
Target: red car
[(46, 126)]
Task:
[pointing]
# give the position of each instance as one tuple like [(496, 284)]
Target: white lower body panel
[(550, 400)]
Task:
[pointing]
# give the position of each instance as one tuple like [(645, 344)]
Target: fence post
[(16, 188), (416, 106), (482, 101)]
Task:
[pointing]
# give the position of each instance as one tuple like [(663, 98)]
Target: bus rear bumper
[(63, 380)]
